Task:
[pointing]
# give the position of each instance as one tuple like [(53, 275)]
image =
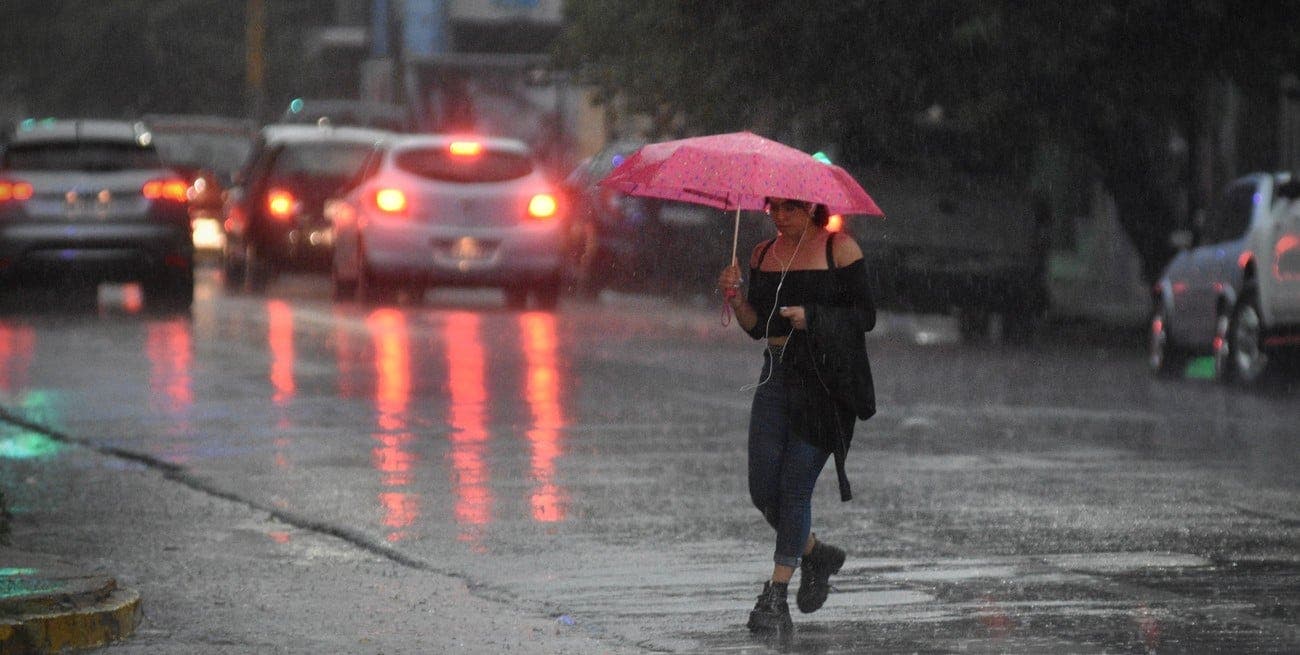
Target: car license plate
[(468, 248)]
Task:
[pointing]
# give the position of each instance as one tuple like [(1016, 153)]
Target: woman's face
[(790, 216)]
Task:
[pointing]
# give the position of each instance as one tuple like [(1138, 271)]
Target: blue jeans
[(783, 469)]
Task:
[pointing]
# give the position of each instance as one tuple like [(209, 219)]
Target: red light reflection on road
[(466, 382), (392, 341), (168, 348), (995, 618), (279, 335), (542, 392), (348, 353), (1148, 627), (167, 345), (17, 344)]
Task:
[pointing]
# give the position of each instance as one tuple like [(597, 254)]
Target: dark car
[(637, 244), (90, 201), (275, 218), (206, 151)]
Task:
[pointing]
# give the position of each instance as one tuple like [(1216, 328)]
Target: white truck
[(1234, 293)]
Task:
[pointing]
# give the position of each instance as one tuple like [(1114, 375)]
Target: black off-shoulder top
[(837, 287)]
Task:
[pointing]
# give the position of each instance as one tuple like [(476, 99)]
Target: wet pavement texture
[(586, 468)]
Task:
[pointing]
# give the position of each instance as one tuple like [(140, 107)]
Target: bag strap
[(763, 253)]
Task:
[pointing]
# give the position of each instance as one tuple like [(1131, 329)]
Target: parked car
[(274, 218), (342, 112), (89, 201), (206, 151), (450, 211), (638, 244), (1236, 293)]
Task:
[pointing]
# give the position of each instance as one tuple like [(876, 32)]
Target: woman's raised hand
[(729, 280)]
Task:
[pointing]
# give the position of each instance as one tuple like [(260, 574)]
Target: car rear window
[(487, 166), (81, 156), (322, 160), (220, 152)]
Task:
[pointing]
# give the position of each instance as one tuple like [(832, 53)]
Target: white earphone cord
[(776, 302)]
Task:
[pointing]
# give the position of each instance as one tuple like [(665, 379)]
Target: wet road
[(1044, 498)]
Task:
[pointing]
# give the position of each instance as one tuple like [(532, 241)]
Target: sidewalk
[(47, 605)]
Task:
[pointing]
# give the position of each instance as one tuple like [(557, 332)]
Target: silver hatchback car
[(444, 210)]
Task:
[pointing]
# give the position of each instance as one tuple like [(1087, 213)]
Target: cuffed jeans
[(783, 468)]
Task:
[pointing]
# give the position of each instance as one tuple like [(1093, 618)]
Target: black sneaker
[(814, 576), (771, 615)]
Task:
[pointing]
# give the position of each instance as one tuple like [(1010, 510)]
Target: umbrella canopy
[(738, 170)]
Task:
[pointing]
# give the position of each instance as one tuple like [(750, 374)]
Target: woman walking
[(808, 298)]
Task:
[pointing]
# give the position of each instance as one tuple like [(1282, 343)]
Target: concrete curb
[(48, 606)]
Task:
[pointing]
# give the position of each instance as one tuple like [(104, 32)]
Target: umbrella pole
[(730, 293), (735, 236)]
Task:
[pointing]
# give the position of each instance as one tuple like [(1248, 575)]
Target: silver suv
[(1236, 294), (89, 201)]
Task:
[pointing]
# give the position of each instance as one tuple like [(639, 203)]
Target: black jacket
[(830, 379)]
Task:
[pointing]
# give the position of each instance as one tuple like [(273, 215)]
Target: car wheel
[(973, 324), (1247, 360), (232, 271), (343, 289), (169, 293), (1163, 355), (516, 297), (1019, 326), (371, 289), (547, 292), (257, 273)]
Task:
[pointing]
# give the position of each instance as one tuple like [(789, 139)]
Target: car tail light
[(13, 190), (165, 189), (465, 148), (281, 204), (390, 201), (543, 206), (236, 220)]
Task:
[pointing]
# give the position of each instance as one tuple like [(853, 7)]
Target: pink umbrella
[(738, 170)]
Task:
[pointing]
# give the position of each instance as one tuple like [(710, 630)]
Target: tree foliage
[(1110, 81), (128, 57)]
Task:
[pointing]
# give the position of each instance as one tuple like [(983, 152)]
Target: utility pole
[(254, 57)]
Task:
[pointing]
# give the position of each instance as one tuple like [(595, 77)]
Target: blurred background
[(1060, 145)]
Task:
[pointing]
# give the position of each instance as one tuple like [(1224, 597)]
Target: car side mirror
[(1181, 239)]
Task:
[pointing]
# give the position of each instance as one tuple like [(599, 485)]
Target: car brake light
[(281, 204), (390, 201), (543, 206), (165, 189), (14, 190), (465, 148), (236, 220)]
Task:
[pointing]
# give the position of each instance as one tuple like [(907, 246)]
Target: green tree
[(1111, 82), (124, 58)]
